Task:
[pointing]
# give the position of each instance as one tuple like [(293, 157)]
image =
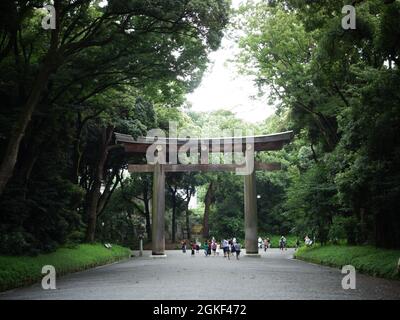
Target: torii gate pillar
[(250, 214), (158, 209)]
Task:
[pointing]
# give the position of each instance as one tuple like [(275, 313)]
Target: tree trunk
[(28, 155), (50, 64), (95, 193), (94, 197), (77, 154), (207, 202), (26, 174), (314, 154), (108, 192), (11, 154)]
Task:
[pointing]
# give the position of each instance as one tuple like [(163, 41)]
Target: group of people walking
[(266, 243), (232, 247), (212, 247)]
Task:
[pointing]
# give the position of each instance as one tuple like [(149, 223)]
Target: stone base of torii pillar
[(158, 256), (252, 255)]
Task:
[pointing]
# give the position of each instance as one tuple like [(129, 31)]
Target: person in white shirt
[(260, 242)]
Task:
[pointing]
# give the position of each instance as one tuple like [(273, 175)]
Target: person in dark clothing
[(193, 247), (184, 246), (233, 249), (206, 249), (209, 248)]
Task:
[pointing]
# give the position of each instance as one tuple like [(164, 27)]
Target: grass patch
[(366, 259), (17, 271)]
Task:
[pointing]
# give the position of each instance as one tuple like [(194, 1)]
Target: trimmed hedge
[(18, 271), (365, 259)]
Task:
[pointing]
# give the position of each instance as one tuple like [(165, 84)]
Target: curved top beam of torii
[(269, 142)]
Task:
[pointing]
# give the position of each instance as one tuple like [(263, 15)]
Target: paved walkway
[(273, 276)]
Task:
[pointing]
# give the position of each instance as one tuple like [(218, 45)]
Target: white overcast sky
[(223, 88)]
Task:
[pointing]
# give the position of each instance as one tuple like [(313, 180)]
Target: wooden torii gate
[(205, 146)]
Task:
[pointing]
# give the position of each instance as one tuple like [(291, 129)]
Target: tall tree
[(329, 80), (183, 31)]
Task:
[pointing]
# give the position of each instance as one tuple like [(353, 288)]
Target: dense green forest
[(127, 66)]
